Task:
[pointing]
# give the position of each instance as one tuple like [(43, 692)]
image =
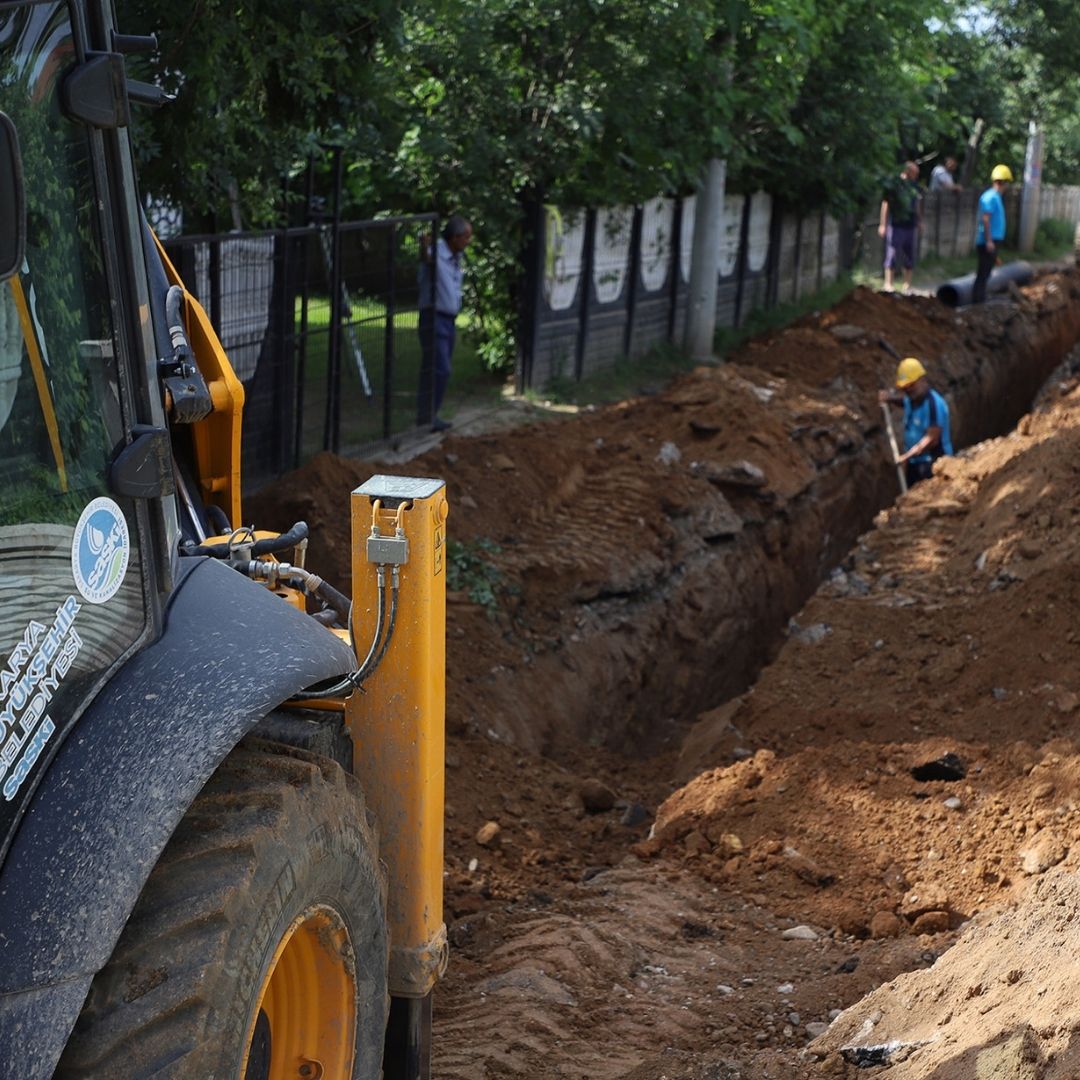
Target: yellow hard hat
[(1002, 172), (908, 371)]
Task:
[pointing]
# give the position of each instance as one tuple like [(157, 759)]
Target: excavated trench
[(649, 556), (693, 633)]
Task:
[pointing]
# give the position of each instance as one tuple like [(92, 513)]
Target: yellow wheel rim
[(309, 998)]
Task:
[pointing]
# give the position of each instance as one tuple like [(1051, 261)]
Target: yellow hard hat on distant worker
[(908, 371), (1002, 172)]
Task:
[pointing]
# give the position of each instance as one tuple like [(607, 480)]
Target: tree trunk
[(971, 154)]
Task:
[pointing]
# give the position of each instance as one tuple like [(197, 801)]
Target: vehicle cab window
[(71, 595)]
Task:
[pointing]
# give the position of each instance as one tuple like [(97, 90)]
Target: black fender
[(230, 652)]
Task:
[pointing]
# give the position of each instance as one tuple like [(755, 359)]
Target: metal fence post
[(303, 242), (676, 269), (534, 254), (588, 257), (285, 375), (332, 420), (772, 271), (740, 264), (796, 292), (632, 284), (214, 271), (821, 252), (388, 333)]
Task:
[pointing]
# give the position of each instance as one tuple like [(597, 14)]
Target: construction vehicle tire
[(258, 947)]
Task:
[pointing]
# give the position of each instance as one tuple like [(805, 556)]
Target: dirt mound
[(910, 761), (951, 629), (1001, 1003), (639, 976), (624, 571)]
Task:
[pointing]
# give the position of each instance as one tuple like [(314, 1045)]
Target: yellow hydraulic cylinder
[(397, 724)]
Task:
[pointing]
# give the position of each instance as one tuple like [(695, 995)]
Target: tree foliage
[(484, 105), (858, 109), (258, 84), (1035, 45)]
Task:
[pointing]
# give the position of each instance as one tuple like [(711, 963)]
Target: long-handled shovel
[(893, 446), (888, 424)]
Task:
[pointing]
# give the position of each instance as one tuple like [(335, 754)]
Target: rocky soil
[(650, 877)]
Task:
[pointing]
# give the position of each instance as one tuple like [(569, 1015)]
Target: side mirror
[(12, 201)]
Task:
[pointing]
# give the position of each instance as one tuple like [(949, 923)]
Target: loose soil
[(626, 576)]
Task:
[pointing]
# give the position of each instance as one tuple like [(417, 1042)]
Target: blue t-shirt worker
[(927, 435), (990, 230)]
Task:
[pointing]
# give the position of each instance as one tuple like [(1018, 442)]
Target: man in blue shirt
[(926, 420), (440, 276), (991, 231)]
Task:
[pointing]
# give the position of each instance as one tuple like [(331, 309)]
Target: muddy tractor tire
[(258, 947)]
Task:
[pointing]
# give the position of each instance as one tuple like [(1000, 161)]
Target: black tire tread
[(181, 924)]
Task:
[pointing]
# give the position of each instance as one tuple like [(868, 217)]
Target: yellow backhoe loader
[(221, 779)]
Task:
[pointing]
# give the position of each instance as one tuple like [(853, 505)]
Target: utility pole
[(1030, 193), (705, 262)]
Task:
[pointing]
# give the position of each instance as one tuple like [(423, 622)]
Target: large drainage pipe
[(959, 291)]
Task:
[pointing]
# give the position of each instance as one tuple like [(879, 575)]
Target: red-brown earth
[(660, 817)]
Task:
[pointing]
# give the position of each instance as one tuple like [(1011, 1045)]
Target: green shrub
[(1054, 236), (469, 569)]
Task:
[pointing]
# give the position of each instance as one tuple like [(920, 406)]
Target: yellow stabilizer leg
[(397, 725)]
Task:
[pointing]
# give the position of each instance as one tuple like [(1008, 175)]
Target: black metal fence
[(321, 325)]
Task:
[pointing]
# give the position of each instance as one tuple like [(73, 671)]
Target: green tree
[(258, 85), (592, 103), (482, 107), (861, 108), (1034, 77)]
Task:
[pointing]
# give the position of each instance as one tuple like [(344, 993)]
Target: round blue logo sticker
[(100, 550)]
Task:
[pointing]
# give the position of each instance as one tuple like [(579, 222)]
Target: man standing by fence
[(942, 176), (901, 219), (991, 231), (440, 277)]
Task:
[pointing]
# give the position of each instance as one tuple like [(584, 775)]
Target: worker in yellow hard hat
[(926, 420), (991, 229)]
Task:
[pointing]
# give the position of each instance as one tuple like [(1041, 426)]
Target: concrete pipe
[(957, 293)]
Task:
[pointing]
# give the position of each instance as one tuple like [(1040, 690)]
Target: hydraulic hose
[(217, 518), (354, 681), (276, 573), (335, 599), (174, 302), (366, 672), (378, 623), (261, 547)]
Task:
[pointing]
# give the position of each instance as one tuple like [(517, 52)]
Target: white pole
[(705, 263), (1030, 193)]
